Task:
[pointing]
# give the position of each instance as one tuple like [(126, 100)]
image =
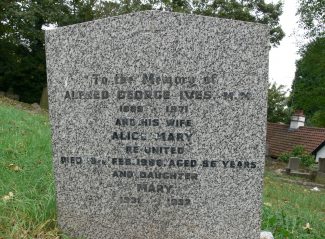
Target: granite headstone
[(294, 163), (158, 126), (320, 177), (321, 165)]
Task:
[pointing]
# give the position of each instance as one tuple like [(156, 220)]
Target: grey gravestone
[(320, 177), (158, 124), (44, 99), (294, 163), (321, 165)]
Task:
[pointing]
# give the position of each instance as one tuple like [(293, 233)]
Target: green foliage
[(279, 223), (318, 119), (277, 110), (22, 22), (308, 87), (283, 225), (77, 11), (300, 152), (284, 157), (289, 208), (312, 17), (245, 10), (22, 40), (26, 171), (112, 8)]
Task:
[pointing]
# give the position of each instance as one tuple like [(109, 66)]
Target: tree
[(23, 22), (312, 17), (308, 87), (22, 40), (276, 104), (245, 10), (318, 118), (7, 47), (76, 11)]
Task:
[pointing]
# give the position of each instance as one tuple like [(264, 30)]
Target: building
[(283, 138)]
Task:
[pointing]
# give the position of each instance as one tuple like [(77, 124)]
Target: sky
[(282, 58)]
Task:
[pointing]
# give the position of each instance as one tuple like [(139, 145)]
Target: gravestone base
[(320, 178)]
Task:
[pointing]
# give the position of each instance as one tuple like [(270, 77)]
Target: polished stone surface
[(158, 126)]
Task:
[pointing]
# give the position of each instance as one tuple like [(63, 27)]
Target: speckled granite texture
[(158, 123)]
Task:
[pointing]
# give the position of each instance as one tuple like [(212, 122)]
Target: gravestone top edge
[(157, 12)]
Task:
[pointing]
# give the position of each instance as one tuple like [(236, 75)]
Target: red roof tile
[(280, 139)]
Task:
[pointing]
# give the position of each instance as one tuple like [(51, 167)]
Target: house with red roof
[(282, 138)]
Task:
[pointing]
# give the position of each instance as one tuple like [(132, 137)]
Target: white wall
[(320, 153)]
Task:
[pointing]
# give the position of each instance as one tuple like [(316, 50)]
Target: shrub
[(285, 226), (300, 152), (284, 157)]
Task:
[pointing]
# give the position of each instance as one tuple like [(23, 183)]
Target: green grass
[(26, 171), (289, 207)]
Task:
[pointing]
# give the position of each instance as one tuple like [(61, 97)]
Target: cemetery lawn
[(27, 201), (292, 211), (27, 196)]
